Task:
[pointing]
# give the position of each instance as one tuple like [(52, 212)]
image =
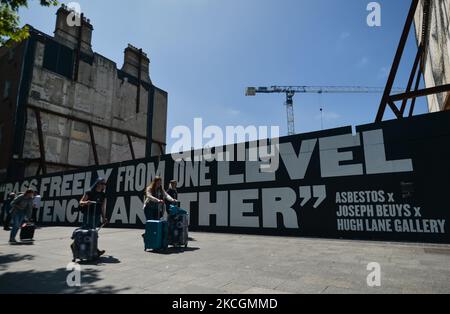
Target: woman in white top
[(154, 200)]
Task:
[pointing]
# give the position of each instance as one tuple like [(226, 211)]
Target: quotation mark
[(309, 192)]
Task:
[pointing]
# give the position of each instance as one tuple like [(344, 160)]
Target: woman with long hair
[(154, 200)]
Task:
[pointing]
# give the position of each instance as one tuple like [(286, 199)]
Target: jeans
[(17, 219)]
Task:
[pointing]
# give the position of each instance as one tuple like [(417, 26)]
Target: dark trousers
[(7, 221), (34, 215), (91, 220), (152, 211), (5, 217)]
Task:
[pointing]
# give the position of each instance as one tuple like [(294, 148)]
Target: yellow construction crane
[(290, 92)]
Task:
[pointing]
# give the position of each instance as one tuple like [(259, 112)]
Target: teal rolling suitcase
[(156, 235)]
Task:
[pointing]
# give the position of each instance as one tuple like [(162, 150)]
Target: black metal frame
[(43, 163), (416, 72), (78, 50)]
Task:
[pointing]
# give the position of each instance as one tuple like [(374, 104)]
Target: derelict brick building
[(63, 106)]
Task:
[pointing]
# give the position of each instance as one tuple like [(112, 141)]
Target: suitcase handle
[(161, 208), (89, 211), (101, 227)]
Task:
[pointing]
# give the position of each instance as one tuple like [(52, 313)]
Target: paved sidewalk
[(221, 263)]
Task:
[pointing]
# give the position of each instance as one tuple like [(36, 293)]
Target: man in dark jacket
[(22, 208)]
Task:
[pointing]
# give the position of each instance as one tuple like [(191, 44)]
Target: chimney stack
[(135, 58), (68, 32)]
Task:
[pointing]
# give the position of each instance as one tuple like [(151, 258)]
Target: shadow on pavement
[(51, 282), (23, 243), (174, 250), (102, 260), (13, 258)]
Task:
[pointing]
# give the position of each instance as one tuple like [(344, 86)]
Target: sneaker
[(100, 253), (7, 228), (12, 241)]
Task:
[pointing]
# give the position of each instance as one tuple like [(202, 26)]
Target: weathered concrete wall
[(99, 96), (160, 118), (437, 68)]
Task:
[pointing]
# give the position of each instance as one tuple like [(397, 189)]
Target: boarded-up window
[(59, 59)]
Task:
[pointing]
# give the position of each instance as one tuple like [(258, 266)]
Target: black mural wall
[(389, 181)]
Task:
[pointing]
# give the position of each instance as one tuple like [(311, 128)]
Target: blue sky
[(204, 53)]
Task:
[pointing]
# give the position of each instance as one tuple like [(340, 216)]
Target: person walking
[(22, 207), (155, 195)]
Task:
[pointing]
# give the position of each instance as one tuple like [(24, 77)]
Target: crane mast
[(290, 112)]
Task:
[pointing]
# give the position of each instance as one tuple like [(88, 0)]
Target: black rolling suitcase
[(85, 241), (179, 231), (27, 231), (178, 227)]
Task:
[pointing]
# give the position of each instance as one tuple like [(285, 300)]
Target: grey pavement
[(223, 263)]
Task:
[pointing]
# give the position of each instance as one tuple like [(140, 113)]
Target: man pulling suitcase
[(93, 204), (22, 207)]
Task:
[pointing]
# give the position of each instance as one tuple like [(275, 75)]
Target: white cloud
[(342, 40), (344, 35), (233, 112), (383, 73), (328, 116), (363, 62)]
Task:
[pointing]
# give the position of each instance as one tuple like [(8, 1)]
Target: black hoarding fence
[(387, 181)]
